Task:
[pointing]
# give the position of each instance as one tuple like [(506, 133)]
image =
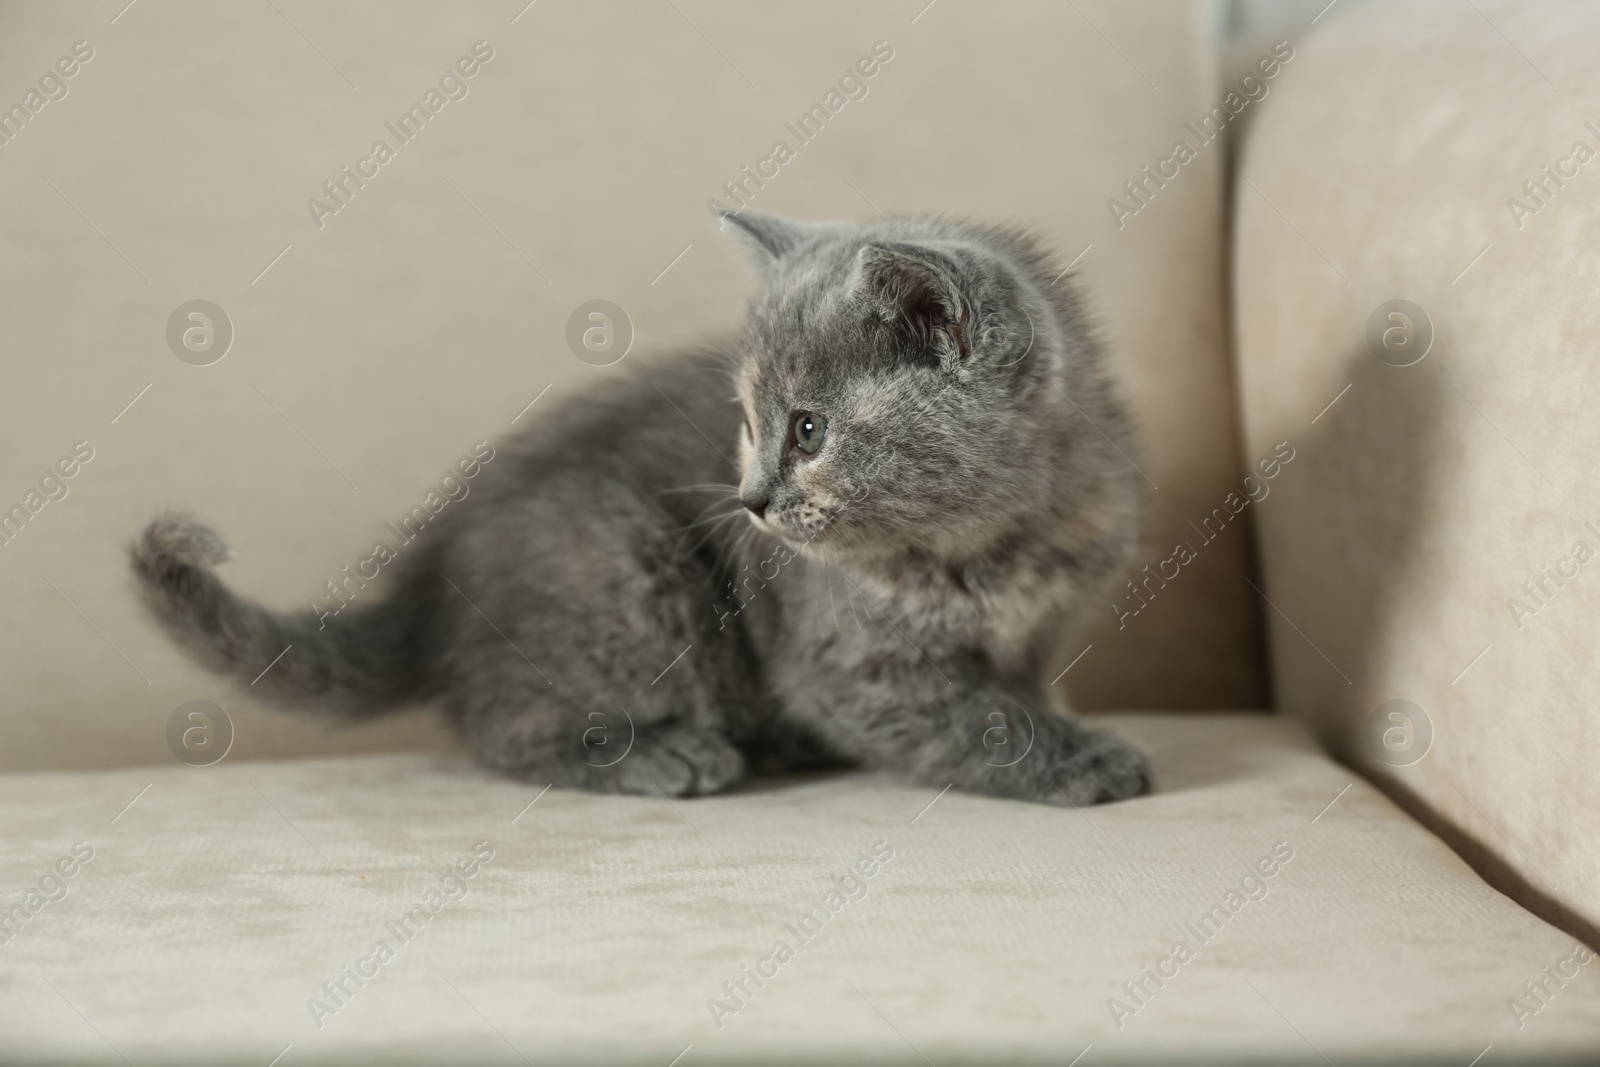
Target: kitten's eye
[(809, 430)]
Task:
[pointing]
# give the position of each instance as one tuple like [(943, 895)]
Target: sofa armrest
[(1436, 540)]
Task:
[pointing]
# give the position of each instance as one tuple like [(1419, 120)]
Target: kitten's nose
[(756, 504)]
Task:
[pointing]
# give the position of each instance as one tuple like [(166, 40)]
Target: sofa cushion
[(1318, 919), (432, 307)]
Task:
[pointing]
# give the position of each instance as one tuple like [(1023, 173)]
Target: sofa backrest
[(381, 325)]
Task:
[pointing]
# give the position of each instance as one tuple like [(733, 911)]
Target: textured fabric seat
[(626, 930)]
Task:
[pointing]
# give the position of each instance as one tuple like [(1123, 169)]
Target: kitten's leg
[(549, 732), (674, 759), (979, 739), (1091, 766), (590, 657)]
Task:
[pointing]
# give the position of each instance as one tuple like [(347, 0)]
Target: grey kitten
[(929, 489)]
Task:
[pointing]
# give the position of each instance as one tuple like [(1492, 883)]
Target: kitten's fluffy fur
[(895, 605)]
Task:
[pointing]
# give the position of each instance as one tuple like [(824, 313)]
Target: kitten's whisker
[(711, 525), (715, 525), (744, 543), (741, 540), (721, 487), (700, 517), (713, 520)]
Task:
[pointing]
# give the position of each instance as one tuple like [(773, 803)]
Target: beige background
[(1428, 495), (431, 310)]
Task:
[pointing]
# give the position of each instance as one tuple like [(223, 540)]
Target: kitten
[(930, 484)]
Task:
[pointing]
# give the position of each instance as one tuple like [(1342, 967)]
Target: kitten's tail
[(358, 665)]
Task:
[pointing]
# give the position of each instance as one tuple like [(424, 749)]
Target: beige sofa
[(1400, 863)]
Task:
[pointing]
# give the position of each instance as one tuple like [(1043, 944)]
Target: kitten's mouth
[(772, 528), (813, 527)]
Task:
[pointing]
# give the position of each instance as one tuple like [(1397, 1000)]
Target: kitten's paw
[(679, 761), (1100, 767)]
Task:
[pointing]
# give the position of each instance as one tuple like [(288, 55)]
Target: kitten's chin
[(826, 534), (837, 543)]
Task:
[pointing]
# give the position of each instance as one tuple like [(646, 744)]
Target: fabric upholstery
[(429, 311), (1416, 549), (219, 902)]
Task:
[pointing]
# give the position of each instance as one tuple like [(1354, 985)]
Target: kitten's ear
[(915, 290), (768, 238)]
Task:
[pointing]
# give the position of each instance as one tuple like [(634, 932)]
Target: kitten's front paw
[(1100, 766), (679, 761)]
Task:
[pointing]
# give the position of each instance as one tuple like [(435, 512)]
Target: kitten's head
[(903, 384)]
